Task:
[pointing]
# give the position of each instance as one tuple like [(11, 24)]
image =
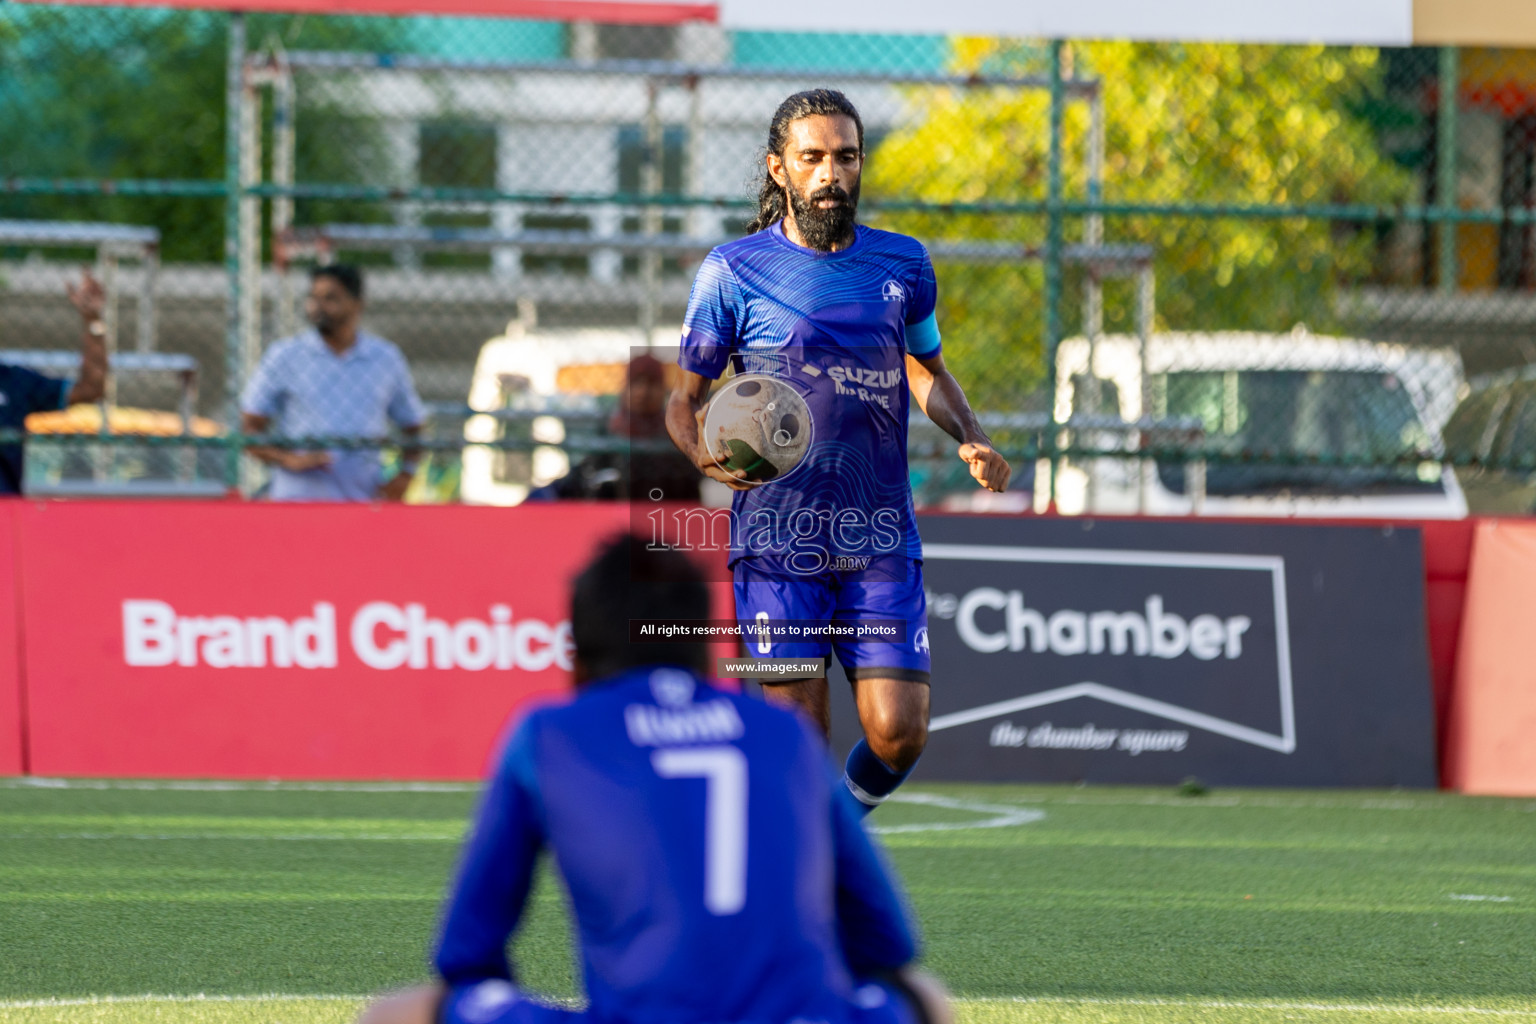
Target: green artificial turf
[(1038, 903)]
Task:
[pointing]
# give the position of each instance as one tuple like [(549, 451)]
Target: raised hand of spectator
[(89, 297)]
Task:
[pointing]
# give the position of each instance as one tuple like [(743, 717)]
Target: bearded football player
[(844, 315)]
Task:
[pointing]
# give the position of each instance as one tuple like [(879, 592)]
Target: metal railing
[(1054, 193)]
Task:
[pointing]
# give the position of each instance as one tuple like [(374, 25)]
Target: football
[(758, 424)]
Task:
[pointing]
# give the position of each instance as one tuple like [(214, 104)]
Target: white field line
[(245, 837), (1203, 1004), (239, 786), (1382, 802), (43, 1004), (1000, 816), (1228, 801), (1003, 815), (199, 997), (1256, 1004)]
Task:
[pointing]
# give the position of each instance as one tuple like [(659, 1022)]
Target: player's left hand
[(990, 469), (711, 462), (394, 489)]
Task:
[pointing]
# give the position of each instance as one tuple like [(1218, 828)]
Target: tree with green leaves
[(140, 94), (1185, 123)]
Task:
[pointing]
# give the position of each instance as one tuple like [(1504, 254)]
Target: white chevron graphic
[(1110, 695), (1284, 743)]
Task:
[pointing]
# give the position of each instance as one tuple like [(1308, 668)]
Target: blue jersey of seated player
[(837, 327), (714, 874)]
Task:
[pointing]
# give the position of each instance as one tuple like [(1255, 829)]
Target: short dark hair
[(631, 579), (344, 274), (771, 202)]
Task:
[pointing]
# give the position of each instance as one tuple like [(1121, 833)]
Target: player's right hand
[(989, 468), (712, 462)]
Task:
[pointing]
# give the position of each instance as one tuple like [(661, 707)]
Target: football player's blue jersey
[(714, 875), (837, 327)]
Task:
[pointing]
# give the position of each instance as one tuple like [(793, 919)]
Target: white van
[(1259, 394), (547, 385)]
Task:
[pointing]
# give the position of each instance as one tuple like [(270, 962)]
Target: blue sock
[(870, 780)]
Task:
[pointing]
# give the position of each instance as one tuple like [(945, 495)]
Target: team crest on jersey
[(893, 292), (920, 641), (671, 688), (774, 364), (486, 1001)]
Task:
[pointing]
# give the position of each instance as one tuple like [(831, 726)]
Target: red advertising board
[(1447, 564), (243, 641), (1490, 742), (324, 641), (12, 757)]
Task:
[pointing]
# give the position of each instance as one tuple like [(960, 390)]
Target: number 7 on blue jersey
[(724, 771)]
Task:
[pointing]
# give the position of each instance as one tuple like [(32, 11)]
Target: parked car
[(1283, 405), (1495, 428), (550, 387)]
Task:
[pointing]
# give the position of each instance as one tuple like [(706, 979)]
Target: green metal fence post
[(1053, 246), (1445, 165), (234, 100)]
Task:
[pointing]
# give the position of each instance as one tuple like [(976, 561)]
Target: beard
[(326, 323), (823, 228)]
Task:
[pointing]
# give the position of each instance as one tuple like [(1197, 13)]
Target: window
[(1515, 192), (457, 154), (674, 140), (1084, 391), (1273, 416), (636, 42), (1520, 436), (632, 158), (556, 263)]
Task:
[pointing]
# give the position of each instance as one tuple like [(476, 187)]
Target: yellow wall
[(1474, 22)]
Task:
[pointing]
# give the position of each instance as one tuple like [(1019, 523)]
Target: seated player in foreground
[(716, 874)]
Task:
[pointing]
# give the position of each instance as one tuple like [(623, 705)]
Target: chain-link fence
[(1172, 277)]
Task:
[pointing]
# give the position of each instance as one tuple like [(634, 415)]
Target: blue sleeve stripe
[(923, 338)]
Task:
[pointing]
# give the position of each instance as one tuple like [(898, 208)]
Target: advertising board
[(1152, 651), (12, 697), (1490, 736), (263, 641), (334, 641)]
